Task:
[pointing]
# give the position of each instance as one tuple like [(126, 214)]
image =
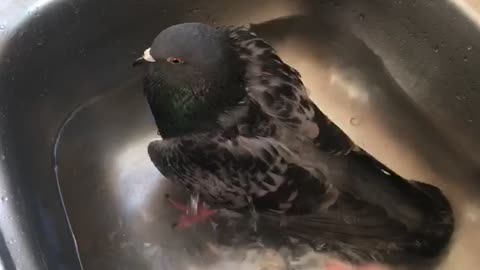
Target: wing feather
[(229, 171), (278, 89)]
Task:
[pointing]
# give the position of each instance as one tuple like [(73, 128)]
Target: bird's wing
[(232, 171), (278, 89)]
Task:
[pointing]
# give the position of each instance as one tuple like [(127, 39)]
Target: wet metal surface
[(401, 77)]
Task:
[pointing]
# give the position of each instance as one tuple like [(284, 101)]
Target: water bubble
[(4, 199), (194, 10), (436, 48), (465, 59), (2, 26), (361, 16), (34, 12), (470, 47), (355, 121), (349, 219), (2, 157)]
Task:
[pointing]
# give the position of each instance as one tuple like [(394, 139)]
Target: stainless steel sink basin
[(76, 184)]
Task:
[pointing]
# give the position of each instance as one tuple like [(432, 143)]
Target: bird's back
[(372, 202)]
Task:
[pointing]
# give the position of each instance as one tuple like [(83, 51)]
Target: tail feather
[(370, 236), (378, 215)]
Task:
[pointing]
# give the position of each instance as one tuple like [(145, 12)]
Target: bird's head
[(192, 74)]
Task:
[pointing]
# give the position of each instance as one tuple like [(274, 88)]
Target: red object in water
[(187, 219), (336, 265)]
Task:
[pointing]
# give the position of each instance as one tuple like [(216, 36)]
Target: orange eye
[(175, 60)]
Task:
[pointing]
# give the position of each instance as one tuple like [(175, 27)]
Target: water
[(194, 200), (354, 121), (69, 118)]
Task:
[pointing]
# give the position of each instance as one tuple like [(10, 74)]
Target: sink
[(77, 189)]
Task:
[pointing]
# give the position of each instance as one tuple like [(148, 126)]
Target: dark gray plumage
[(239, 129)]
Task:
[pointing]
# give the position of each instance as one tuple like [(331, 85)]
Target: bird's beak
[(138, 61), (146, 57)]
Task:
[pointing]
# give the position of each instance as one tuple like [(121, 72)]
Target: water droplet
[(355, 121), (348, 219), (2, 26), (470, 47), (4, 199), (2, 157), (436, 48), (34, 12), (361, 16), (194, 10), (465, 59)]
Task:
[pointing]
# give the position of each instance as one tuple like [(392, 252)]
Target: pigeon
[(240, 132)]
